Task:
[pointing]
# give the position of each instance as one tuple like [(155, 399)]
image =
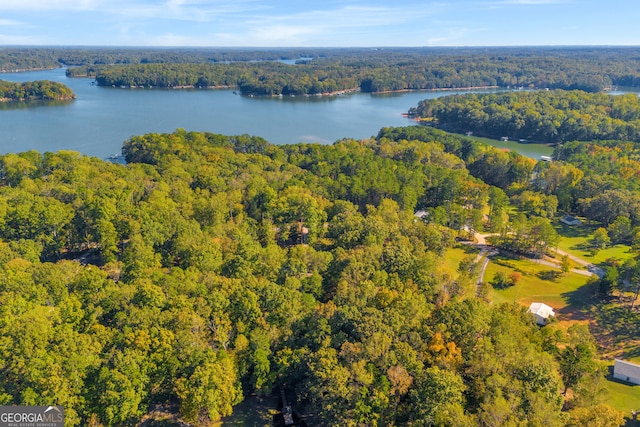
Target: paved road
[(574, 270), (590, 267), (487, 251)]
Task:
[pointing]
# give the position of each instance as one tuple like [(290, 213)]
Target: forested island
[(210, 268), (41, 90), (537, 116)]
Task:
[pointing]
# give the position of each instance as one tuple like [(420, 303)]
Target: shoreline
[(27, 70), (442, 89), (36, 99), (335, 93)]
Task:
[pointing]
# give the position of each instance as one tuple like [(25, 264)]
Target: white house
[(421, 214), (626, 371), (542, 312)]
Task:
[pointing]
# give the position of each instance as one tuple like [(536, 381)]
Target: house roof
[(421, 214), (541, 309), (626, 369), (570, 220)]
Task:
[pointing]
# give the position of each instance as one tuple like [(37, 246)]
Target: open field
[(624, 397), (538, 283), (575, 239), (457, 254), (452, 260)]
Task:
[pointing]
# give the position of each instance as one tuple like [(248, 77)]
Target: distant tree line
[(264, 78), (36, 90), (36, 58), (540, 116), (588, 69)]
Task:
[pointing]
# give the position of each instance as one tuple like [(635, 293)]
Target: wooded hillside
[(211, 267)]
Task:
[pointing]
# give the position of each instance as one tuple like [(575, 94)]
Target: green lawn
[(529, 150), (453, 256), (623, 397), (452, 260), (575, 239), (616, 329), (538, 283)]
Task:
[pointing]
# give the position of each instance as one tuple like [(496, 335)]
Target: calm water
[(101, 119)]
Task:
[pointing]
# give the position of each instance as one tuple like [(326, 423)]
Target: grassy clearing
[(539, 283), (623, 397), (454, 255), (575, 239), (615, 327), (617, 330), (529, 150), (452, 260)]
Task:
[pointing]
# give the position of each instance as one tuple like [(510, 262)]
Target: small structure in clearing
[(570, 220), (542, 312), (626, 371), (421, 214)]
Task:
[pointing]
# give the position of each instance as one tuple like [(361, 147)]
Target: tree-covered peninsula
[(210, 268), (376, 70), (40, 90), (537, 116), (325, 70)]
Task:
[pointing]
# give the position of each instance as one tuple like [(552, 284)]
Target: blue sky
[(326, 23)]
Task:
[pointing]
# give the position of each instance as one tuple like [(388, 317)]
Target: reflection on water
[(16, 105)]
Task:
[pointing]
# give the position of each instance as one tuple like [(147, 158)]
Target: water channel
[(102, 118)]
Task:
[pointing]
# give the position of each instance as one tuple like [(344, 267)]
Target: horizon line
[(2, 46)]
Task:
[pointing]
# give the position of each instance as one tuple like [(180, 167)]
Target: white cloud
[(354, 16), (322, 27), (19, 40), (169, 9), (44, 5), (8, 22), (170, 39), (534, 2), (453, 36), (185, 10)]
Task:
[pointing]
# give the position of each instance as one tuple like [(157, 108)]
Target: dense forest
[(35, 58), (329, 70), (211, 267), (317, 71), (537, 116), (368, 71), (36, 90)]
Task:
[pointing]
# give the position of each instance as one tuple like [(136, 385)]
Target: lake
[(102, 118)]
